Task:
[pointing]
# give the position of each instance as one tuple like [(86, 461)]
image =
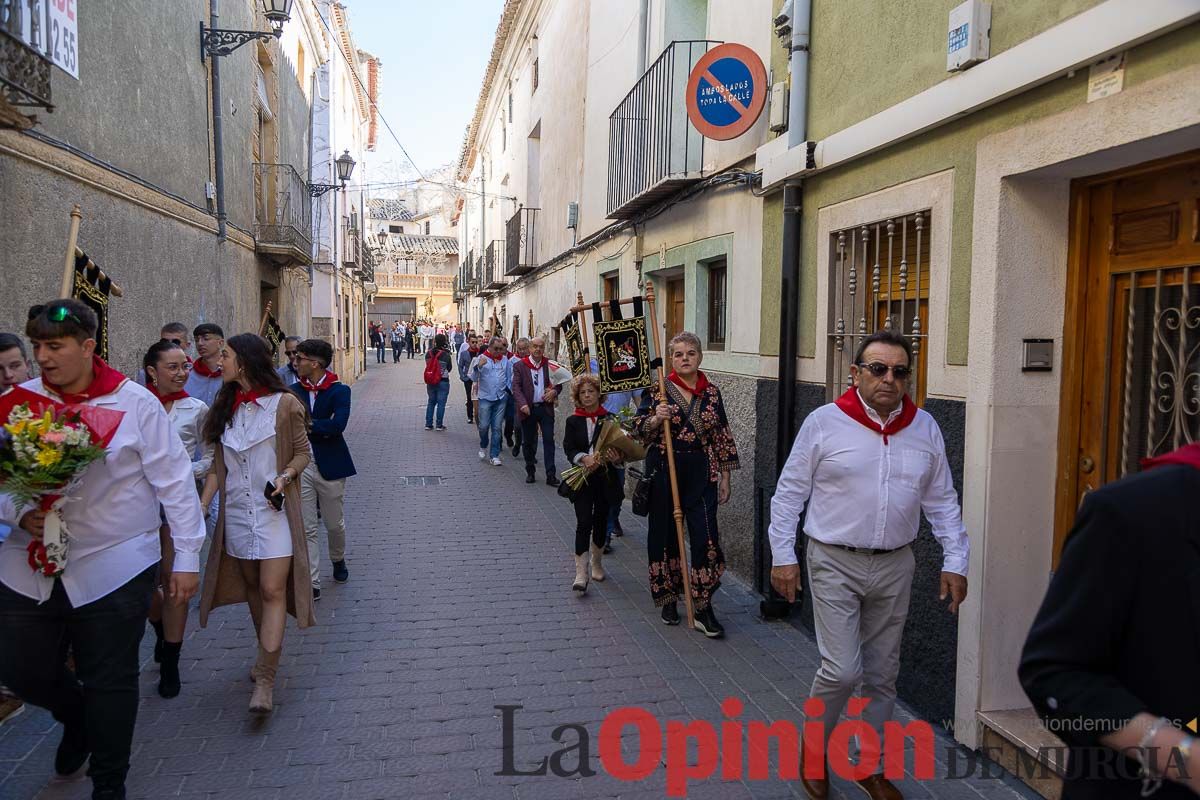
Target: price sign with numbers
[(62, 35)]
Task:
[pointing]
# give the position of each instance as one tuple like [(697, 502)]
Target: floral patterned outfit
[(704, 448)]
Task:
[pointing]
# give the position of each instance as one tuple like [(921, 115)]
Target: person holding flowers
[(705, 454), (108, 513), (598, 489), (259, 556), (165, 371)]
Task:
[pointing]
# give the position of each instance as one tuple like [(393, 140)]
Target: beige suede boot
[(581, 573), (263, 699), (597, 566)]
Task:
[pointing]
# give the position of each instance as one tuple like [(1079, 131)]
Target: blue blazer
[(330, 414)]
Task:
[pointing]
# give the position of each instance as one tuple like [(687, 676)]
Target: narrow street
[(458, 601)]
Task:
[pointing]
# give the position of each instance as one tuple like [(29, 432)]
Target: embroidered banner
[(93, 291), (576, 350), (274, 334), (622, 354)]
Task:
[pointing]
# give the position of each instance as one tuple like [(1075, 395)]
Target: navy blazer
[(330, 414)]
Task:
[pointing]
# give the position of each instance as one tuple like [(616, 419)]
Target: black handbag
[(641, 490), (565, 491)]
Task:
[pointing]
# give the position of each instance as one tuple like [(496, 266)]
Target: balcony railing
[(653, 151), (493, 268), (369, 263), (351, 245), (470, 279), (521, 240), (283, 213), (423, 283), (481, 270), (24, 72)]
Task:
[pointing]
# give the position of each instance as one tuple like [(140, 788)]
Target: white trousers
[(330, 494), (860, 604)]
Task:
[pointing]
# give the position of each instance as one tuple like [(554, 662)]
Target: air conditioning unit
[(572, 214)]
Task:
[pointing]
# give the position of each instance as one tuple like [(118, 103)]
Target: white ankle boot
[(597, 566), (581, 573)]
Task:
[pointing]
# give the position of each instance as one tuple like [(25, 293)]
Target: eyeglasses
[(899, 372), (176, 342)]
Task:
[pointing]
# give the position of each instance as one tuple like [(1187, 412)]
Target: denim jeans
[(437, 397), (491, 423), (102, 694)]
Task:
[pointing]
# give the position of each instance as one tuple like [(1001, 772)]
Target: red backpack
[(433, 368)]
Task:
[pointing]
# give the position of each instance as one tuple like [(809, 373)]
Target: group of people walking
[(408, 338), (225, 445)]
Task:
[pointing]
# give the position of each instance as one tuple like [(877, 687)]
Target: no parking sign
[(726, 91)]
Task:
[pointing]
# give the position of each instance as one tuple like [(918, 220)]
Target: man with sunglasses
[(100, 601), (205, 381), (867, 465), (289, 373)]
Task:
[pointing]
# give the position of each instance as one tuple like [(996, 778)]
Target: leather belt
[(866, 551)]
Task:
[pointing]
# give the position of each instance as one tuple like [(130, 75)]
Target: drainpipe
[(218, 150), (643, 23)]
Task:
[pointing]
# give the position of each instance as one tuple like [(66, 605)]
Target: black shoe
[(72, 751), (618, 531), (516, 449), (509, 440), (530, 478), (607, 548), (551, 480), (316, 594), (158, 641), (441, 427), (340, 573), (168, 675), (108, 794), (670, 614), (706, 623)]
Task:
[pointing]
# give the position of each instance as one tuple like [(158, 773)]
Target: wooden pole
[(530, 323), (587, 361), (662, 388), (68, 275), (581, 307), (113, 288), (262, 326)]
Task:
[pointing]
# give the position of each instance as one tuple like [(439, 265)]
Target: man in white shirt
[(99, 603), (867, 465)]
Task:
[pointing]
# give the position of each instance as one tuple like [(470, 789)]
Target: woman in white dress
[(259, 554), (165, 368)]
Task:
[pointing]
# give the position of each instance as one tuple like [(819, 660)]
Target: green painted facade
[(951, 146), (690, 261)]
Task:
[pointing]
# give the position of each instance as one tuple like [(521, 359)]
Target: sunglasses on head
[(900, 372), (55, 313)]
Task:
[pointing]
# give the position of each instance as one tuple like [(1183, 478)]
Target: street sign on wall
[(726, 91), (51, 27)]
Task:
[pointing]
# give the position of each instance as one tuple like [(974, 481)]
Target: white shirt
[(113, 515), (187, 418), (535, 373), (591, 434), (254, 530), (864, 493)]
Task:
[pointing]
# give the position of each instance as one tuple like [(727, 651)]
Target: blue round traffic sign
[(726, 91)]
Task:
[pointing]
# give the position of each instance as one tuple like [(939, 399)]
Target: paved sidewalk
[(459, 600)]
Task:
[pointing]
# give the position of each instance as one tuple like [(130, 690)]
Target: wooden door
[(1131, 355), (674, 307)]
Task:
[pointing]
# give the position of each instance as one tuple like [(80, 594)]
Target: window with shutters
[(717, 287)]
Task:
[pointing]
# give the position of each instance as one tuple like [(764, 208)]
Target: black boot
[(551, 479), (530, 477), (158, 640), (670, 614), (706, 623), (168, 675)]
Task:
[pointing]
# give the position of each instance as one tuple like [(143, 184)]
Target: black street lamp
[(383, 237), (345, 168), (222, 41)]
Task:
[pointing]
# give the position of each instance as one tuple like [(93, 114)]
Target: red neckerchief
[(599, 412), (701, 382), (105, 380), (205, 371), (327, 380), (1188, 455), (529, 363), (488, 353), (241, 398), (851, 405), (169, 398), (474, 351)]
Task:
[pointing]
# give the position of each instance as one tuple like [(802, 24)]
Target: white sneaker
[(496, 461), (482, 455)]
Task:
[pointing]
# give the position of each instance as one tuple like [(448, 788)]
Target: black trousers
[(103, 692), (470, 403), (539, 416), (591, 513), (396, 347), (698, 501)]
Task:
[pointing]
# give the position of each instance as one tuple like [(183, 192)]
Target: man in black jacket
[(324, 480), (1113, 660)]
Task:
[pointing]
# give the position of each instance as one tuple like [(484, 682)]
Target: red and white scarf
[(851, 404), (327, 380), (105, 380)]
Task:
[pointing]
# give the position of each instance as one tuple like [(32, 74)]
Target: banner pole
[(68, 276), (262, 326), (669, 447), (583, 335)]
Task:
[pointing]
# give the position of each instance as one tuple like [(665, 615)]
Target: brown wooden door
[(674, 306), (1131, 356)]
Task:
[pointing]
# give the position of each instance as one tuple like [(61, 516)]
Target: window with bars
[(717, 288), (880, 274)]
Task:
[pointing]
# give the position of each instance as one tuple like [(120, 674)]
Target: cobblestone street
[(459, 600)]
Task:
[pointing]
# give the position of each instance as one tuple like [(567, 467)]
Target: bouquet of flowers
[(612, 438), (44, 449)]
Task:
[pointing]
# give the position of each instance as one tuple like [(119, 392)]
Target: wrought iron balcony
[(653, 151), (24, 72), (521, 254), (470, 279), (282, 213), (481, 270), (367, 268), (495, 270)]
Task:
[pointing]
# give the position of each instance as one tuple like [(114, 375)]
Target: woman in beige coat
[(259, 433)]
